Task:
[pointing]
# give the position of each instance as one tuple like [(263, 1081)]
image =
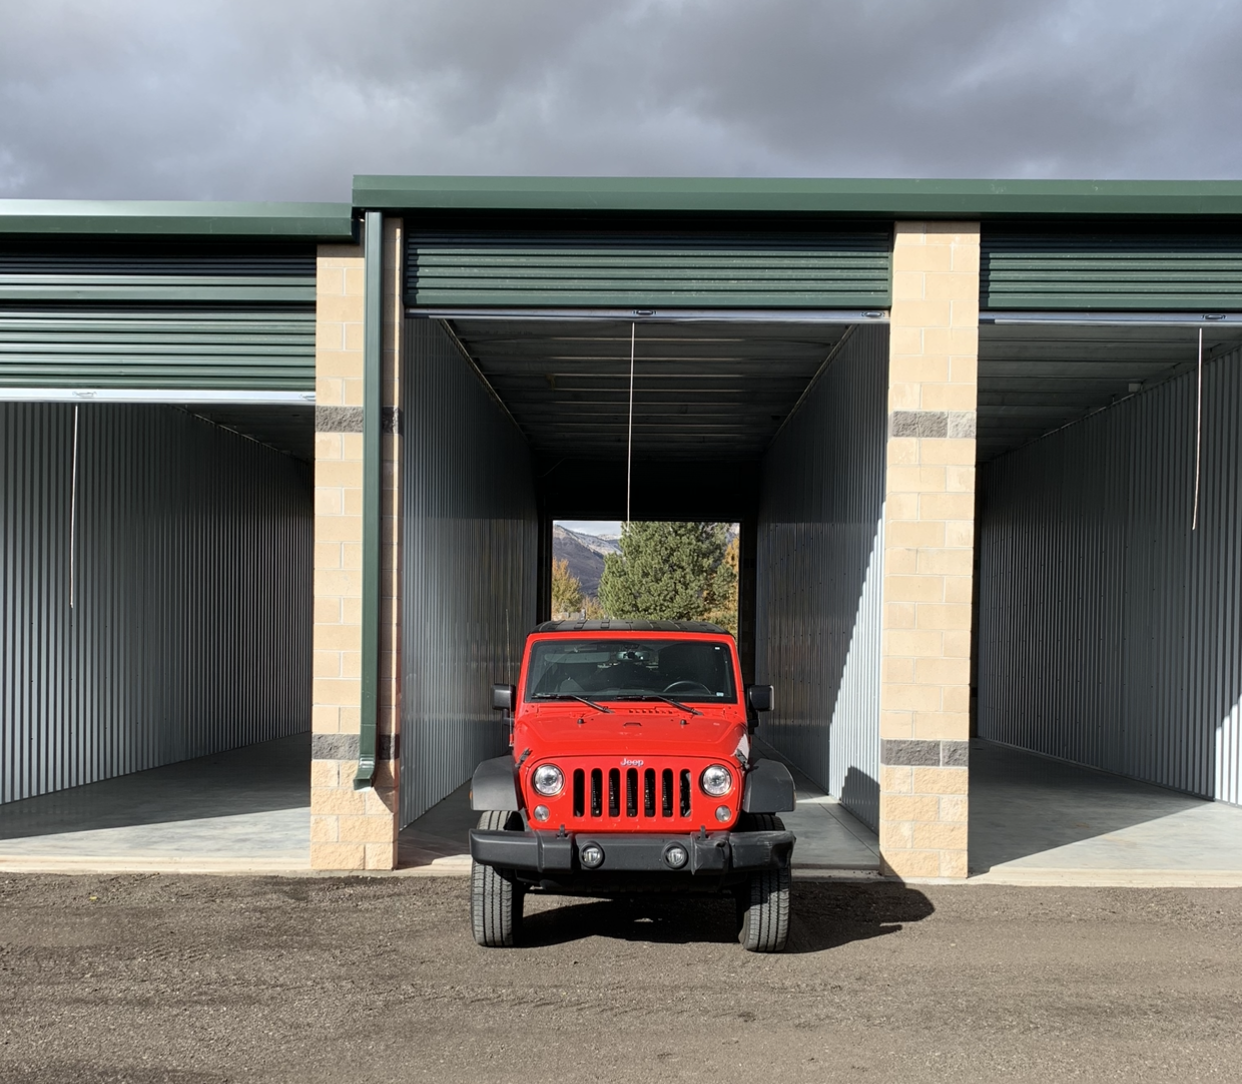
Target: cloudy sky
[(286, 99)]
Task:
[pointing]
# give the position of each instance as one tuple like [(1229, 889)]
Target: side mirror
[(760, 697), (503, 697)]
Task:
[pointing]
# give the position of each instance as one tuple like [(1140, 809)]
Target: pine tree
[(666, 571), (566, 589)]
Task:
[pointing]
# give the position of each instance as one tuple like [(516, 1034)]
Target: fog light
[(723, 813), (675, 855), (592, 855), (541, 812)]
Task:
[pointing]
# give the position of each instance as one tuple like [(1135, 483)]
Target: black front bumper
[(711, 853)]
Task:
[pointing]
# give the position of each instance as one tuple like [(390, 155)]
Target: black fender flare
[(494, 785), (769, 789)]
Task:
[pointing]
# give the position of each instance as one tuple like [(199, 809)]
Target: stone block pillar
[(928, 549), (351, 829)]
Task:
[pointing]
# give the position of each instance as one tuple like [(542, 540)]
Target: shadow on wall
[(824, 916), (860, 790)]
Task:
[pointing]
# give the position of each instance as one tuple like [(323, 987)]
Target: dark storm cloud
[(276, 99)]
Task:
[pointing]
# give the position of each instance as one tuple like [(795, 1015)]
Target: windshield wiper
[(660, 696), (571, 696)]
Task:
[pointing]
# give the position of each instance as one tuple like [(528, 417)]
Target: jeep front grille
[(645, 793)]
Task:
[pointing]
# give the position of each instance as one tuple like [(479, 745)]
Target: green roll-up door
[(845, 269), (157, 317), (1079, 271)]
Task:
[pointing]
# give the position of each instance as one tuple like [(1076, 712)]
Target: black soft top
[(614, 625)]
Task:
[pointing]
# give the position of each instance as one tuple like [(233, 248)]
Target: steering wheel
[(685, 686)]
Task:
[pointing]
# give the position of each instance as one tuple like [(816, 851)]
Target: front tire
[(763, 902), (495, 899)]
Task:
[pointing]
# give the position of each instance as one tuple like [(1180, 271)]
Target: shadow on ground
[(825, 916)]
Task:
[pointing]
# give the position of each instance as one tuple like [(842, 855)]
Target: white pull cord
[(1194, 519), (73, 506), (629, 447)]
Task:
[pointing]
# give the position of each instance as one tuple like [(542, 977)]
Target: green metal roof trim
[(327, 222), (873, 198)]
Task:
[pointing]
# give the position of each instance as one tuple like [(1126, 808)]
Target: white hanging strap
[(73, 507), (1194, 519), (629, 447)]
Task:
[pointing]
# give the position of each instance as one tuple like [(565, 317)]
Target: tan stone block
[(325, 719), (354, 338), (907, 286), (957, 589), (957, 699), (337, 581), (933, 561), (966, 259), (327, 555), (329, 391), (909, 807), (914, 534), (381, 855), (942, 616), (338, 529), (909, 697), (904, 397), (909, 232), (896, 724), (350, 664), (899, 615), (954, 808), (965, 313), (386, 770), (338, 474), (353, 447), (923, 313), (897, 671), (901, 506), (941, 726), (963, 369), (325, 773), (940, 837), (342, 801), (352, 393), (900, 562), (947, 452), (326, 664), (923, 258), (959, 479), (365, 829), (381, 802), (339, 691), (353, 503), (913, 642), (919, 370), (338, 637), (941, 671), (355, 279), (334, 309), (338, 856), (338, 363), (327, 446), (339, 255), (947, 506), (907, 864), (960, 532), (957, 644), (949, 285), (351, 610), (894, 834), (324, 830), (949, 397), (902, 451), (915, 479), (940, 781), (895, 780), (953, 864), (351, 555), (905, 341), (900, 589), (329, 278)]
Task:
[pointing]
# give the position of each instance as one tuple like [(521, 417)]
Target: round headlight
[(716, 780), (548, 779)]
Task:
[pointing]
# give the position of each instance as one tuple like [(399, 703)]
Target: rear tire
[(763, 903), (495, 898)]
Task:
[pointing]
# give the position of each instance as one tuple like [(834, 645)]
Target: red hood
[(652, 729)]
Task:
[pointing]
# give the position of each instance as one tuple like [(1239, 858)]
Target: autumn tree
[(667, 572), (566, 589)]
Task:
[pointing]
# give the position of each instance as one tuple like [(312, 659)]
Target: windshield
[(692, 671)]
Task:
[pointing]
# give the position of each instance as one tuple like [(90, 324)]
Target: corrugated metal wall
[(1109, 633), (820, 550), (190, 630), (470, 565)]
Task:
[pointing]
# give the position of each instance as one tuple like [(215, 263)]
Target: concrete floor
[(245, 809)]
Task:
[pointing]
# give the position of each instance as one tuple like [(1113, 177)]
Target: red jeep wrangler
[(631, 771)]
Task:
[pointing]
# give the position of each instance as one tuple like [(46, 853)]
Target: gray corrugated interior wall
[(470, 562), (1110, 633), (820, 549), (190, 626)]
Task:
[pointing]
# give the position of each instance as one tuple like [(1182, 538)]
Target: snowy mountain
[(585, 554)]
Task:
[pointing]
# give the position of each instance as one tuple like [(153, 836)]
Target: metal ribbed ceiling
[(702, 390)]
